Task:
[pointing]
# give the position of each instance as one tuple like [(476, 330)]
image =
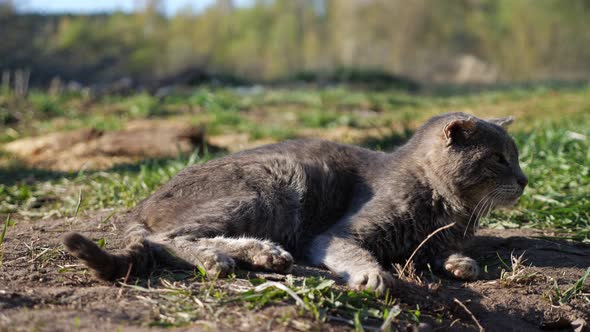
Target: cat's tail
[(137, 259)]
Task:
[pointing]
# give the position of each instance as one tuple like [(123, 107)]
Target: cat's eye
[(500, 159)]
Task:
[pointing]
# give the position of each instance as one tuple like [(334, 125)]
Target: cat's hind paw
[(375, 280), (462, 267)]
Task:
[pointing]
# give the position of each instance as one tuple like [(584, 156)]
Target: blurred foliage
[(271, 39)]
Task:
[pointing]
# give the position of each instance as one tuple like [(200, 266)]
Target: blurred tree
[(7, 7), (522, 39)]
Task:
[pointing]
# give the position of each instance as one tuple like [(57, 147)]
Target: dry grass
[(517, 273)]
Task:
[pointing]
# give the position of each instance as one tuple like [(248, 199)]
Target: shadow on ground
[(37, 278), (18, 173)]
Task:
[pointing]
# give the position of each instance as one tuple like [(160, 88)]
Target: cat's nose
[(522, 181)]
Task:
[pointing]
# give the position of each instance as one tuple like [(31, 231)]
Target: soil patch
[(96, 149), (90, 148), (42, 288)]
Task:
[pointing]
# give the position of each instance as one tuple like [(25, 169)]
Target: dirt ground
[(89, 148), (44, 289)]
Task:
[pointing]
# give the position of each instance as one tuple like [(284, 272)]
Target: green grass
[(3, 236), (560, 296), (555, 154), (4, 229), (316, 298), (552, 132)]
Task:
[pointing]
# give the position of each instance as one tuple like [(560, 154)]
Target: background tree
[(520, 39)]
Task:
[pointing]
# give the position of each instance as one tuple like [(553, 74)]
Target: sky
[(92, 6)]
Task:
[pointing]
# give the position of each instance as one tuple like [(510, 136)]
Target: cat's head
[(473, 160)]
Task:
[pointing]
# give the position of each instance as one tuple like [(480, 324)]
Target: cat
[(352, 210)]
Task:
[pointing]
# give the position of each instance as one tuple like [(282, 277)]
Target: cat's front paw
[(217, 264), (273, 258), (462, 267), (374, 280)]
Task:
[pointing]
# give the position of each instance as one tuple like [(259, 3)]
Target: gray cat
[(352, 210)]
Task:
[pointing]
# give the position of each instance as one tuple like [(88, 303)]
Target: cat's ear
[(459, 129), (502, 122)]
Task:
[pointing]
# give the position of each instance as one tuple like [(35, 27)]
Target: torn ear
[(502, 122), (459, 129)]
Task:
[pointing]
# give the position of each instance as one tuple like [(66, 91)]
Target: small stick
[(481, 329), (125, 280), (39, 255), (423, 242)]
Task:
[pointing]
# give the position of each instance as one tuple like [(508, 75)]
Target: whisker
[(486, 207), (487, 210), (500, 193), (474, 212), (477, 206), (481, 212)]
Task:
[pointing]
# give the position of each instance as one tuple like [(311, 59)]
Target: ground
[(535, 257), (43, 288)]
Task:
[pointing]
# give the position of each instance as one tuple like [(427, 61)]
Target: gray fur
[(352, 210)]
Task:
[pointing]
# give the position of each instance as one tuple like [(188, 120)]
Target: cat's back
[(307, 153), (306, 160), (314, 173)]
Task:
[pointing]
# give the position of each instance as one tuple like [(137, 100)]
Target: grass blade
[(4, 230)]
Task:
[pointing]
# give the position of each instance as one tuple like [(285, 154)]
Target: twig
[(423, 242), (39, 255), (481, 329), (125, 280), (146, 290)]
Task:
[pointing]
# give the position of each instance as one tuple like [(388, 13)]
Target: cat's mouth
[(508, 200), (500, 199), (508, 203)]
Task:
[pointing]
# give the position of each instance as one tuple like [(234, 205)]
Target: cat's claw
[(273, 258), (462, 267), (375, 280)]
